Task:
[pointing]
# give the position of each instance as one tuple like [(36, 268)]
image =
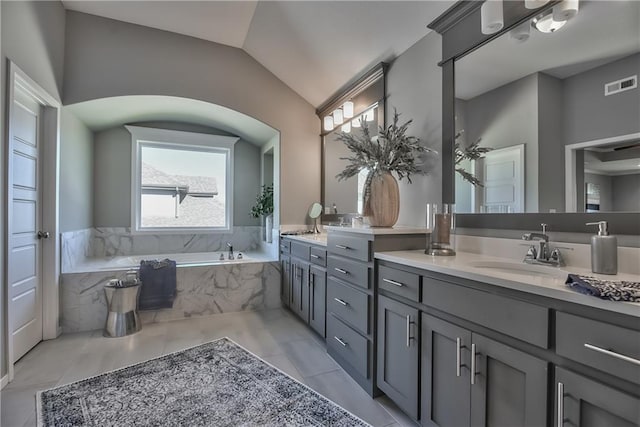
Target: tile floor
[(277, 336)]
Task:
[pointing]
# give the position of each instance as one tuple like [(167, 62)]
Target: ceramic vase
[(384, 201)]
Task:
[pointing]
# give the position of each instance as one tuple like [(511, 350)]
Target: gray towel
[(158, 284), (606, 289)]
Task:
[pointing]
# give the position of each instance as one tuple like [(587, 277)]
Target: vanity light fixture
[(546, 24), (521, 33), (338, 118), (328, 122), (565, 10), (347, 109), (369, 116), (534, 4), (491, 16), (357, 122), (346, 127)]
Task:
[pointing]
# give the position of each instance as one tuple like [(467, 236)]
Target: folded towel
[(606, 289), (158, 284)]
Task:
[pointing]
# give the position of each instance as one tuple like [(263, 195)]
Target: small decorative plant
[(390, 151), (472, 152), (264, 202)]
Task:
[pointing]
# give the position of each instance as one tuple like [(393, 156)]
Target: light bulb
[(346, 127), (328, 123), (347, 108), (338, 118)]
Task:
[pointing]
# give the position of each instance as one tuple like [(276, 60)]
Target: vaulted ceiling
[(315, 47)]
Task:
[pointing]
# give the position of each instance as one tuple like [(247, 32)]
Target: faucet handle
[(532, 253), (557, 258)]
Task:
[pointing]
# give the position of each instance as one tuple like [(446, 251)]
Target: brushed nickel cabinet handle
[(340, 270), (346, 248), (612, 354), (315, 256), (473, 364), (560, 420), (339, 301), (342, 343), (409, 337), (393, 282), (458, 355)]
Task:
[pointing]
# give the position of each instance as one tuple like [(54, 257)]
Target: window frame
[(173, 139)]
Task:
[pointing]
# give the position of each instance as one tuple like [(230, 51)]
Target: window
[(182, 181)]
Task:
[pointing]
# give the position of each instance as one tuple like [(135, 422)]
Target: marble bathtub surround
[(201, 291), (105, 242)]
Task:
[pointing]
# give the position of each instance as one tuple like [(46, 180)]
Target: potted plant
[(389, 152), (264, 208)]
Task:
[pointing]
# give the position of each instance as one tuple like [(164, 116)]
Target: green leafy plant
[(472, 152), (264, 202), (391, 150)]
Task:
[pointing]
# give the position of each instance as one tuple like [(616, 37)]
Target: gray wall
[(110, 58), (626, 193), (33, 38), (112, 175), (76, 173), (414, 87), (589, 115), (550, 167), (508, 116)]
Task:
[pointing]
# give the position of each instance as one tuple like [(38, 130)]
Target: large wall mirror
[(367, 95), (560, 111)]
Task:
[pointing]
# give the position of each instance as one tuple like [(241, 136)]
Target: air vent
[(621, 85)]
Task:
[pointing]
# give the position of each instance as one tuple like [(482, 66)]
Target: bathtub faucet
[(230, 246)]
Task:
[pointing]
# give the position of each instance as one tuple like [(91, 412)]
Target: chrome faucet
[(230, 246), (542, 255)]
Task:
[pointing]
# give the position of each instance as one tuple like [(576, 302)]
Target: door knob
[(43, 234)]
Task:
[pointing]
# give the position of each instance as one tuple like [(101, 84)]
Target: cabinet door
[(285, 281), (398, 353), (300, 288), (586, 403), (509, 387), (318, 299), (445, 374)]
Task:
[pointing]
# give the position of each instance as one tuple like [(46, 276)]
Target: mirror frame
[(459, 27)]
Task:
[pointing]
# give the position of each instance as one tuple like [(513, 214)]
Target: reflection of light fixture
[(346, 127), (534, 4), (328, 122), (521, 32), (565, 10), (491, 16), (368, 116), (338, 118), (347, 107), (546, 24), (356, 123)]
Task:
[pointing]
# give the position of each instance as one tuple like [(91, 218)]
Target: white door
[(503, 179), (24, 254)]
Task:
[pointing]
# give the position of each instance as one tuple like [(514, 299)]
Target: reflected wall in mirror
[(533, 101), (346, 196)]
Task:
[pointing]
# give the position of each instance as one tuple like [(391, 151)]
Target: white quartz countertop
[(317, 239), (378, 230), (546, 281)]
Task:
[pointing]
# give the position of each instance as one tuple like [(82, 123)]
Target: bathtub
[(182, 260), (205, 286)]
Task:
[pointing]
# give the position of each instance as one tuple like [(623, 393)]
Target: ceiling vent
[(621, 85)]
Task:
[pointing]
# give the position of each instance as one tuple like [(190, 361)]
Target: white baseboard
[(4, 381)]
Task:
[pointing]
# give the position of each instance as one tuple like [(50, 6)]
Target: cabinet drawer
[(525, 321), (349, 304), (350, 271), (300, 250), (399, 282), (285, 246), (351, 346), (609, 348), (352, 247), (318, 256)]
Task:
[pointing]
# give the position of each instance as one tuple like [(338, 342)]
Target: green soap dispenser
[(604, 250)]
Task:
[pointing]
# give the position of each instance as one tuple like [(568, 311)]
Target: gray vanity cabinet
[(398, 349), (285, 272), (300, 288), (469, 379), (318, 299), (580, 401)]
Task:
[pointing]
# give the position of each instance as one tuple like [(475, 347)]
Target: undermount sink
[(521, 268)]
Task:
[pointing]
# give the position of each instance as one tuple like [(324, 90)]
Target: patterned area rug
[(214, 384)]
